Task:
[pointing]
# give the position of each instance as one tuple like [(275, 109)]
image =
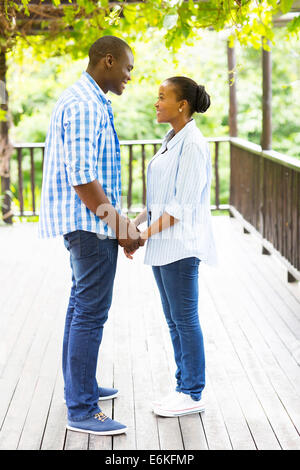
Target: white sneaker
[(181, 405), (166, 399)]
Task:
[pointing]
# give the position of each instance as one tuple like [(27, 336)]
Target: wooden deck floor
[(250, 319)]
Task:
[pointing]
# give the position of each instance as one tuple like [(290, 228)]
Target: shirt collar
[(170, 139), (94, 87)]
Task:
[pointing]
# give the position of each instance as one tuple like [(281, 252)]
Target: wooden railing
[(135, 155), (264, 188), (265, 191)]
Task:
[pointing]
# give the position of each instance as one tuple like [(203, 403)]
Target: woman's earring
[(180, 110)]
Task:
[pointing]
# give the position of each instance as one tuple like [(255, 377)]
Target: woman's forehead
[(166, 87)]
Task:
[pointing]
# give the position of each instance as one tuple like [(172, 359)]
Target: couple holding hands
[(81, 200)]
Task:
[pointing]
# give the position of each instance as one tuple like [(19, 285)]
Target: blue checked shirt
[(81, 146)]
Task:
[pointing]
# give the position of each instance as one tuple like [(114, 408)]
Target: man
[(81, 197)]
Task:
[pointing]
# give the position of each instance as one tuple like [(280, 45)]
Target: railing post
[(266, 137), (143, 174), (217, 189), (232, 115), (231, 61), (20, 180), (129, 193), (32, 177)]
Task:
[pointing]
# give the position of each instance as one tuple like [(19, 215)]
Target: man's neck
[(100, 82)]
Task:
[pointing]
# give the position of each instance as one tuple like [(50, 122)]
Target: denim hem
[(194, 396), (86, 417)]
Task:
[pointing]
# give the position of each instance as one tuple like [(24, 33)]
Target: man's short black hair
[(107, 45)]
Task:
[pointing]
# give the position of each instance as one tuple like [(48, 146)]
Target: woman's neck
[(178, 125)]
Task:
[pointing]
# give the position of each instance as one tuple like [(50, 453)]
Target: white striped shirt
[(81, 146), (178, 182)]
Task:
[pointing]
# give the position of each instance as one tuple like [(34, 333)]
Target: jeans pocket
[(88, 244), (72, 242)]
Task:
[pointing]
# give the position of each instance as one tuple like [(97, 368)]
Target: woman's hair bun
[(202, 100), (196, 96)]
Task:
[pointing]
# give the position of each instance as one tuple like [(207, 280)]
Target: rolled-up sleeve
[(190, 181), (81, 122)]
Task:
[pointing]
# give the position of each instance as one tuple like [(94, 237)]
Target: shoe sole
[(171, 414), (98, 433), (109, 397)]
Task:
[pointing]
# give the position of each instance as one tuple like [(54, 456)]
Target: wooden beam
[(266, 138), (233, 128)]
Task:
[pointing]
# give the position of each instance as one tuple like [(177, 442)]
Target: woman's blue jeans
[(93, 263), (178, 287)]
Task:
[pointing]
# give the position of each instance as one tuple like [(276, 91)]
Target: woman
[(179, 234)]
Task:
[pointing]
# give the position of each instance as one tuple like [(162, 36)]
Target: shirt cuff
[(77, 178)]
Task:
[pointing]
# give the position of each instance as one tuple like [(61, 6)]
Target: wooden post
[(5, 147), (217, 187), (266, 137), (233, 129), (129, 192), (143, 174), (232, 114)]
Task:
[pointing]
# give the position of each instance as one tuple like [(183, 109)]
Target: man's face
[(120, 72)]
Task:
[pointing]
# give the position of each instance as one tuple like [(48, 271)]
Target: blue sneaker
[(99, 424), (107, 393)]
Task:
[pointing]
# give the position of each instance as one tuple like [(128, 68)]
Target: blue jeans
[(178, 287), (93, 263)]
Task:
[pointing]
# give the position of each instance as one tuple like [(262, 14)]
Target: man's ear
[(109, 60)]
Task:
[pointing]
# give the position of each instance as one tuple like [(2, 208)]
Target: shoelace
[(101, 416)]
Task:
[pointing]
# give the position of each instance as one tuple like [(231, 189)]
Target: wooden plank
[(234, 419), (17, 359), (44, 312), (123, 410), (284, 314), (36, 419), (276, 413), (193, 433), (105, 378), (76, 441), (170, 437), (288, 395), (55, 430), (145, 421), (279, 312), (249, 319), (225, 338)]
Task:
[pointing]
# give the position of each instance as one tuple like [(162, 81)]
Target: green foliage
[(3, 115), (74, 26), (33, 97)]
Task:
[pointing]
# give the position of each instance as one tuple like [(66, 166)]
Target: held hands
[(141, 241), (128, 237)]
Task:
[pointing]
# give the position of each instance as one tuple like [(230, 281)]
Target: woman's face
[(167, 106)]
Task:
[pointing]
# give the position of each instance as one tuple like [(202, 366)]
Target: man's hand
[(130, 239), (141, 241), (128, 254)]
